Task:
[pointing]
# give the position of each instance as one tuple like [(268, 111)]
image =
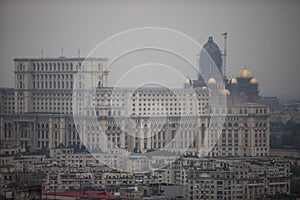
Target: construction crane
[(224, 54)]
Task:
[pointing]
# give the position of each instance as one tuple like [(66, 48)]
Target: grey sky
[(263, 35)]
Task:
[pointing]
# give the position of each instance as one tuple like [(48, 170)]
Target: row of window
[(9, 110), (171, 95), (52, 93), (50, 103), (58, 109), (53, 66), (21, 67), (52, 76), (54, 85), (9, 103), (167, 99)]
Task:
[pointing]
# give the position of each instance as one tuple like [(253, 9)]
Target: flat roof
[(58, 59)]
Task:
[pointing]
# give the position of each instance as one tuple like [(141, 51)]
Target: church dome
[(253, 81), (245, 73), (233, 81), (188, 80), (225, 92), (214, 52), (212, 81)]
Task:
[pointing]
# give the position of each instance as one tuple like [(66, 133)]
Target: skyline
[(131, 99), (261, 35)]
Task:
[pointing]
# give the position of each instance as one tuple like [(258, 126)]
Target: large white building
[(38, 113)]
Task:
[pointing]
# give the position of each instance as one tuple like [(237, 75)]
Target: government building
[(39, 111)]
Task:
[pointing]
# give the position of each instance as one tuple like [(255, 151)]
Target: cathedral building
[(240, 89)]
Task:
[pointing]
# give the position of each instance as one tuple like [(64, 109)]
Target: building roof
[(59, 59), (211, 81), (94, 194), (233, 81), (225, 92), (188, 80), (253, 81), (214, 52), (245, 73)]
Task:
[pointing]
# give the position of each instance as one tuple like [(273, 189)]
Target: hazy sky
[(262, 35)]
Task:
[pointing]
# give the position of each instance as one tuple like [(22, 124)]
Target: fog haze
[(262, 35)]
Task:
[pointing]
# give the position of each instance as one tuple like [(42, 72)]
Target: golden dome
[(225, 92), (245, 73), (211, 81), (188, 80), (253, 81), (233, 81)]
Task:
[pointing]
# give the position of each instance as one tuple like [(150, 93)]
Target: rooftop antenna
[(42, 53), (62, 52), (78, 53), (224, 54)]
